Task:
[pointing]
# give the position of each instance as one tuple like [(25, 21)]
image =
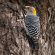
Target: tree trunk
[(47, 42), (13, 39)]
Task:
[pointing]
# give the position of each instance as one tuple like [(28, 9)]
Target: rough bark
[(13, 39), (47, 42)]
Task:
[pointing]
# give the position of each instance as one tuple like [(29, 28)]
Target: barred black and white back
[(32, 24)]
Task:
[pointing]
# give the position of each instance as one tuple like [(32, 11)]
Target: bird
[(32, 26)]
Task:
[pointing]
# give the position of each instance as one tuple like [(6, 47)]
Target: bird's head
[(32, 10)]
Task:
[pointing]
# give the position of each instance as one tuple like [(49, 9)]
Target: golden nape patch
[(34, 11)]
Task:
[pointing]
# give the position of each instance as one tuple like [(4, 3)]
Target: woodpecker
[(32, 26)]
